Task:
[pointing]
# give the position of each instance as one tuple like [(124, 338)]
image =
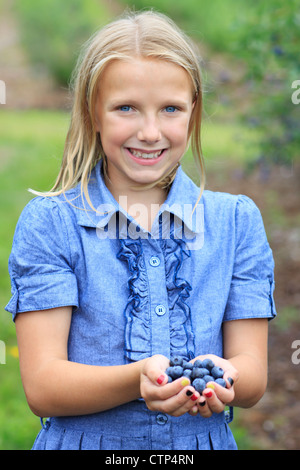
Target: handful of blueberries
[(199, 373)]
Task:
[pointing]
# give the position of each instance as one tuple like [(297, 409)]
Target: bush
[(269, 44), (53, 31), (211, 22)]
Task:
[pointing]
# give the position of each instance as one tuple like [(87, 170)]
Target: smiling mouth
[(145, 155)]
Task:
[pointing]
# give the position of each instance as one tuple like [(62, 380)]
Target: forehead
[(145, 75)]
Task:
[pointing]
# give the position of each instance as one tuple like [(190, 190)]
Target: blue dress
[(136, 294)]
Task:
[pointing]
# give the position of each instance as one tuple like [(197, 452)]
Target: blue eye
[(171, 109), (125, 108)]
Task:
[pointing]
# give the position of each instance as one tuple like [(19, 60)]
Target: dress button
[(154, 261), (161, 419), (160, 310)]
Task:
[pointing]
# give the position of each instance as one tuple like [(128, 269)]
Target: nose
[(149, 131)]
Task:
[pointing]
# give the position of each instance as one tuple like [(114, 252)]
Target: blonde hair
[(142, 34)]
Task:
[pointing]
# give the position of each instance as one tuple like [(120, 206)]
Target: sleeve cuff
[(43, 292), (251, 300)]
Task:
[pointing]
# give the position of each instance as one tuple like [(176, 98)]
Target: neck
[(142, 205)]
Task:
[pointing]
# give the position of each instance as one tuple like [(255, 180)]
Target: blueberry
[(174, 372), (199, 372), (278, 50), (198, 363), (187, 365), (176, 361), (187, 373), (170, 379), (208, 363), (169, 371), (177, 372), (208, 378), (217, 372), (199, 385), (221, 382), (196, 373)]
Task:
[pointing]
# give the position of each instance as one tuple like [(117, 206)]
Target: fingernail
[(194, 397), (160, 379), (208, 394), (202, 403), (210, 385), (185, 382), (231, 381), (189, 393)]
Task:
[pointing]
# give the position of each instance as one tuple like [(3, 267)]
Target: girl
[(125, 263)]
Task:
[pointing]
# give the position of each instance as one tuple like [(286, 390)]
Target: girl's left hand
[(215, 397)]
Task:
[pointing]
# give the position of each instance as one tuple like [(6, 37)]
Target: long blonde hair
[(141, 34)]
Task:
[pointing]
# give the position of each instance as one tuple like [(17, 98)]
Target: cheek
[(110, 138), (116, 132), (178, 134)]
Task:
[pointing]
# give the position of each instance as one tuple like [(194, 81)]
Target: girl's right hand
[(175, 398)]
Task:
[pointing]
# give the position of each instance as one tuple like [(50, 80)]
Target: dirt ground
[(274, 423)]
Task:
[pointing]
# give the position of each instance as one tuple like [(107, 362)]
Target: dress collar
[(180, 202)]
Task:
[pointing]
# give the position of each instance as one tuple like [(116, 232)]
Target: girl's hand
[(175, 398), (215, 397)]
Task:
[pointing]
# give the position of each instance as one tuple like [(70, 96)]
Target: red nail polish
[(194, 397), (160, 379), (208, 394)]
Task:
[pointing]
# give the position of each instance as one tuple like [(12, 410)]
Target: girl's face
[(143, 111)]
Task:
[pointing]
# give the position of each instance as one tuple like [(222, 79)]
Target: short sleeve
[(40, 266), (252, 284)]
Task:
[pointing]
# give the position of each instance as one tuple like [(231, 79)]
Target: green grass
[(18, 426)]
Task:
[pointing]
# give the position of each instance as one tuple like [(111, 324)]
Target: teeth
[(139, 154)]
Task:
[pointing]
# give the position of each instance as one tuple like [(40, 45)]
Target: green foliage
[(211, 22), (268, 43), (18, 426), (54, 31)]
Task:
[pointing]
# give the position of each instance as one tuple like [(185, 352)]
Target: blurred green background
[(250, 58)]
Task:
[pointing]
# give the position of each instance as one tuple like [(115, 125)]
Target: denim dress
[(135, 294)]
